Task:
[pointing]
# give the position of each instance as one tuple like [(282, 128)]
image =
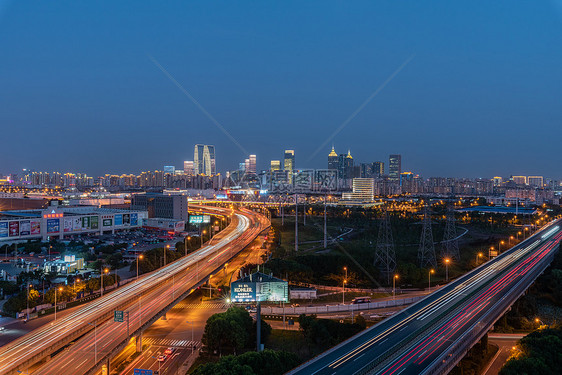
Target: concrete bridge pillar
[(139, 343)]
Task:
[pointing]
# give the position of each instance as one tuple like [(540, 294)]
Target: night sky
[(479, 93)]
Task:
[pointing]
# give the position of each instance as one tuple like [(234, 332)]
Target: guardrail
[(327, 309)]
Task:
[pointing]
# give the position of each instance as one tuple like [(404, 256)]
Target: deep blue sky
[(481, 97)]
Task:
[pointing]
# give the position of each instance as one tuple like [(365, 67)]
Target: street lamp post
[(429, 279), (139, 257), (59, 289), (101, 280), (500, 246), (165, 251), (447, 261), (95, 340), (394, 286), (343, 291), (192, 340), (478, 256)]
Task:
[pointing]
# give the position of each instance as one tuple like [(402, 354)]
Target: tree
[(229, 329)]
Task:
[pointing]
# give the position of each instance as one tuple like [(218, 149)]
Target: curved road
[(142, 299)]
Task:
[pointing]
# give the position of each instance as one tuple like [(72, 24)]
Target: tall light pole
[(325, 227), (101, 280), (192, 341), (394, 286), (59, 289), (518, 234), (95, 340), (478, 256), (500, 246), (447, 261), (429, 279), (165, 251), (139, 257), (296, 223), (344, 282)]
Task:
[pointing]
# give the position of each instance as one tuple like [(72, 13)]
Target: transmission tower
[(426, 251), (385, 258), (450, 248)]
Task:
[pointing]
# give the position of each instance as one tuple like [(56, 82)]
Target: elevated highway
[(432, 336), (91, 332)]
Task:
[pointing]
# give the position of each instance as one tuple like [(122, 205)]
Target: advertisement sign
[(126, 219), (195, 219), (77, 224), (53, 226), (94, 222), (134, 219), (14, 228), (25, 228), (3, 229), (107, 222), (243, 292), (118, 220), (140, 371), (259, 287), (67, 225), (35, 227), (86, 222)]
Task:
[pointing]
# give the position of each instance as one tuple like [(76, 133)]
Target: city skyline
[(452, 110)]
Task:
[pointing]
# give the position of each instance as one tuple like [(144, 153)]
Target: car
[(161, 358), (169, 351)]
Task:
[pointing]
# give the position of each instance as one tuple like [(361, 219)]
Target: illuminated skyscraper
[(204, 160), (252, 168), (394, 168), (188, 167), (275, 165), (333, 159), (289, 163)]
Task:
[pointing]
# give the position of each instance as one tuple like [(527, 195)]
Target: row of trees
[(22, 300), (267, 362)]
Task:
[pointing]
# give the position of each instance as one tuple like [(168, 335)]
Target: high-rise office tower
[(333, 159), (247, 165), (204, 160), (188, 167), (289, 163), (275, 165), (394, 167), (169, 169), (378, 168), (345, 166), (252, 168)]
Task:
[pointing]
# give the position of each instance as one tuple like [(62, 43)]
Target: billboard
[(195, 219), (94, 222), (259, 287), (126, 219), (35, 227), (25, 228), (3, 229), (86, 222), (14, 228), (53, 226), (118, 219), (67, 225), (107, 222), (134, 219)]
